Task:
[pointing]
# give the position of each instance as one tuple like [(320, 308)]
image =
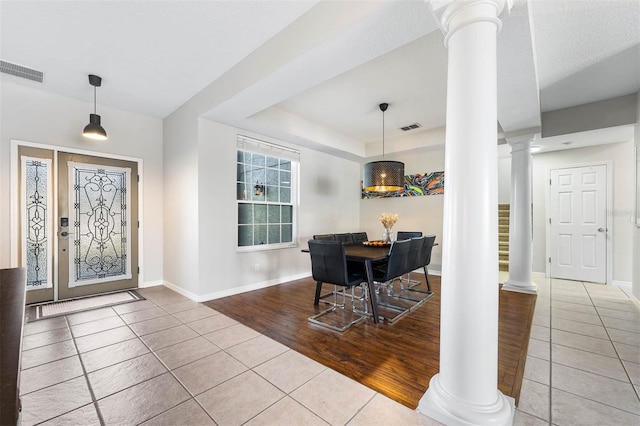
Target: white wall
[(415, 213), (181, 234), (32, 115), (504, 180), (621, 157), (203, 259), (636, 231)]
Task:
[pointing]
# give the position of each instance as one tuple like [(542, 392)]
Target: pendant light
[(94, 130), (383, 176)]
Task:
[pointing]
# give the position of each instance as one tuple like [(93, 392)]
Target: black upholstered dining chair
[(415, 261), (325, 237), (397, 264), (346, 238), (329, 265), (425, 257), (359, 237), (406, 235)]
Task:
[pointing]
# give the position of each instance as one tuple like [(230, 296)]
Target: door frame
[(609, 201), (15, 206)]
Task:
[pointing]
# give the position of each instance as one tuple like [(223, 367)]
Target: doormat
[(66, 307)]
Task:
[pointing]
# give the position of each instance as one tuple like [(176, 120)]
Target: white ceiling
[(314, 72)]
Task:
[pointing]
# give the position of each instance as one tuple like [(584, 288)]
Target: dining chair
[(359, 237), (416, 258), (425, 257), (329, 265), (406, 235), (396, 265), (423, 260), (415, 261), (346, 238), (325, 237)]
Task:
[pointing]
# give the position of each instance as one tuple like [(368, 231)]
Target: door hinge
[(138, 178), (549, 182), (138, 224), (549, 221), (549, 260), (138, 269)]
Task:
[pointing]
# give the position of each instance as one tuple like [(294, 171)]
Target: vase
[(388, 235)]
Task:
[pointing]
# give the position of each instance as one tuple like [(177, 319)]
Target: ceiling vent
[(410, 127), (20, 71)]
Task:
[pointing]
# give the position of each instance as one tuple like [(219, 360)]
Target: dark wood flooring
[(398, 359)]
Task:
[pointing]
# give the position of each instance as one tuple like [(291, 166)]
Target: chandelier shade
[(94, 129), (383, 176)]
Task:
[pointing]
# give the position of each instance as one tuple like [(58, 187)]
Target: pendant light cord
[(94, 99), (383, 134)]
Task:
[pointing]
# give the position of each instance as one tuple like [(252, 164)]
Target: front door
[(79, 231), (578, 223), (97, 225)]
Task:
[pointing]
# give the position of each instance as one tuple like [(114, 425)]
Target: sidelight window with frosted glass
[(37, 220), (266, 184)]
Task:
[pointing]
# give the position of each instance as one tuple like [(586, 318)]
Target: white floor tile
[(534, 399), (333, 397), (608, 391), (571, 410)]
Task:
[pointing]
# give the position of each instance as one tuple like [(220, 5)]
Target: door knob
[(601, 229)]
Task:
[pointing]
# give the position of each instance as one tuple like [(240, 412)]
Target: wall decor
[(414, 186)]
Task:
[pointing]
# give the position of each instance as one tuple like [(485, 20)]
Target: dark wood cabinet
[(12, 298)]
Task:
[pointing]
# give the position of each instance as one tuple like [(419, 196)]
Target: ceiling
[(313, 72)]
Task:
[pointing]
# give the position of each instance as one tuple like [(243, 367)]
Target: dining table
[(366, 255)]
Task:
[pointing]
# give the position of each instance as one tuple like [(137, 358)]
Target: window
[(266, 183)]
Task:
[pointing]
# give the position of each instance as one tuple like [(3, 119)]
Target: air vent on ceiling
[(411, 127), (20, 71)]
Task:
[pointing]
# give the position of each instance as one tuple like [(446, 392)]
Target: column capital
[(456, 14), (521, 143), (522, 136)]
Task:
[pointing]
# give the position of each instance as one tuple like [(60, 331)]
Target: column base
[(519, 286), (440, 405)]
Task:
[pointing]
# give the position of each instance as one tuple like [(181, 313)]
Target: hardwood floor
[(398, 359)]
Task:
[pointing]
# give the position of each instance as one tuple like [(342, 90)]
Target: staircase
[(503, 237)]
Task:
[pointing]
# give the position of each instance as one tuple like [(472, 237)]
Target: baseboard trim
[(624, 286), (233, 291), (148, 284), (180, 290), (251, 287), (237, 290)]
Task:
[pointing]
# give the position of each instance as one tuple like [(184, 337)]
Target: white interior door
[(578, 223)]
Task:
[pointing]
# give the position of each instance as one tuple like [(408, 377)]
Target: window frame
[(256, 146)]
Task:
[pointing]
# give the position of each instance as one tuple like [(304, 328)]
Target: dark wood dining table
[(366, 255)]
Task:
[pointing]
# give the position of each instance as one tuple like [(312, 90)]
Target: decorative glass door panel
[(36, 209), (98, 225), (36, 221), (99, 214), (36, 202)]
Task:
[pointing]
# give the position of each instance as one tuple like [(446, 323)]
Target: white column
[(465, 391), (520, 260)]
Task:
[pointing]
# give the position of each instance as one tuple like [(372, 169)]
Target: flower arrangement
[(388, 220)]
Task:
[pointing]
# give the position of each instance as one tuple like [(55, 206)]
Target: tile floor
[(168, 360), (583, 363), (171, 361)]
